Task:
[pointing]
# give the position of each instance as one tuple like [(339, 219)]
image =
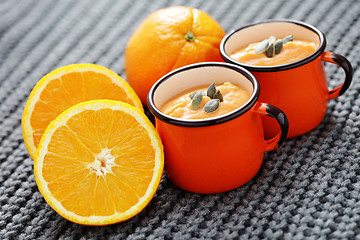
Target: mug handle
[(274, 112), (344, 64)]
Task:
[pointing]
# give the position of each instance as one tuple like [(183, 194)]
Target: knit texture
[(309, 188)]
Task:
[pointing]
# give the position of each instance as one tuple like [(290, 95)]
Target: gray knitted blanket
[(309, 188)]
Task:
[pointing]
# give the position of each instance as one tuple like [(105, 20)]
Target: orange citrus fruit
[(100, 162), (65, 87), (168, 39)]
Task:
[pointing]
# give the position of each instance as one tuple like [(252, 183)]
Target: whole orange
[(168, 39)]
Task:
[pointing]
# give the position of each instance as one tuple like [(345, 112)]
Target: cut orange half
[(100, 162), (65, 87)]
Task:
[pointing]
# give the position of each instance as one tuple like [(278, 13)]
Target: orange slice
[(100, 162), (65, 87)]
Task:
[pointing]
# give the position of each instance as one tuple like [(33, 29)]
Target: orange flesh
[(94, 166), (291, 52), (180, 105), (60, 94)]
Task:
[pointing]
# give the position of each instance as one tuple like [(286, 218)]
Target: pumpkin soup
[(206, 102), (287, 51)]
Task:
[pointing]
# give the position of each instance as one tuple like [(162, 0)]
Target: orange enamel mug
[(217, 154), (300, 88)]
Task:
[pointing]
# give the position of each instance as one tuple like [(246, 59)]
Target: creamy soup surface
[(179, 106), (291, 52)]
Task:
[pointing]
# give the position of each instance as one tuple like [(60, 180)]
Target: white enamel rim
[(260, 30), (200, 74)]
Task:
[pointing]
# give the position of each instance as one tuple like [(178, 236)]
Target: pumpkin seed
[(287, 39), (262, 47), (193, 95), (211, 105), (270, 51), (219, 96), (196, 101), (278, 46), (211, 91), (271, 39)]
